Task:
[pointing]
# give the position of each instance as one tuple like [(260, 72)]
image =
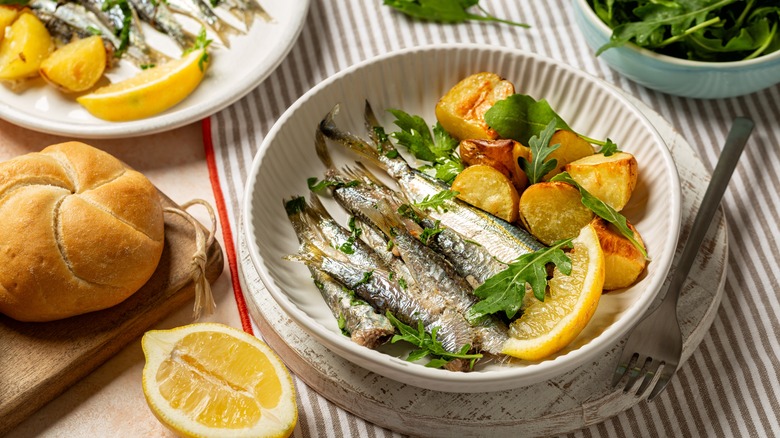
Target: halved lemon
[(212, 380), (150, 92), (548, 326)]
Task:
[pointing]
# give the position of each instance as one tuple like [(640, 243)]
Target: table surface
[(729, 387)]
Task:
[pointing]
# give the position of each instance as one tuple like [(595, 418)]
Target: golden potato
[(495, 153), (461, 111), (76, 66), (623, 262), (611, 179), (26, 44), (485, 187), (7, 16), (552, 211)]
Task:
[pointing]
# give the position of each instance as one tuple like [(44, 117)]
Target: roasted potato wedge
[(76, 66), (552, 211), (623, 262), (461, 111), (26, 44), (495, 153), (611, 179), (572, 147), (7, 16), (487, 188)]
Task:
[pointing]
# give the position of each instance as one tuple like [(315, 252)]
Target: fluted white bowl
[(413, 80)]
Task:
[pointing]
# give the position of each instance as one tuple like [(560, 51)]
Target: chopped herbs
[(428, 345), (504, 292), (348, 247), (201, 42), (428, 233)]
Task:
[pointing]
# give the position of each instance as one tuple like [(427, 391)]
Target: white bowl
[(413, 80), (680, 77)]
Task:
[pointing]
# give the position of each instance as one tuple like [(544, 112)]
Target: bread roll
[(79, 232)]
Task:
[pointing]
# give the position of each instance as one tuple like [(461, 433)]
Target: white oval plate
[(234, 72), (413, 80)]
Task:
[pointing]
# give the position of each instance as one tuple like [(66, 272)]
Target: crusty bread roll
[(79, 232)]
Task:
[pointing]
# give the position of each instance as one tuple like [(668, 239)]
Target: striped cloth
[(731, 385)]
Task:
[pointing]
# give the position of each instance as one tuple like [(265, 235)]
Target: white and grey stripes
[(731, 384)]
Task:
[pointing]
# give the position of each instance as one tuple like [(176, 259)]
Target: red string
[(227, 234)]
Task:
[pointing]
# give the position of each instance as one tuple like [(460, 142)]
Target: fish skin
[(504, 241), (201, 11), (161, 18)]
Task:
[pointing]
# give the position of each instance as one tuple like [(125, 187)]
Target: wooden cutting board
[(39, 361)]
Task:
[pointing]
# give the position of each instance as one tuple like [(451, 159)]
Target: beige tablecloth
[(730, 386)]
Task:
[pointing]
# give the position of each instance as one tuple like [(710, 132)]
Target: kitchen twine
[(204, 299)]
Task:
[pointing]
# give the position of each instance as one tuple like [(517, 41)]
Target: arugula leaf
[(504, 292), (609, 148), (439, 149), (427, 344), (436, 202), (602, 210), (295, 205), (540, 150), (445, 11), (428, 233), (520, 117)]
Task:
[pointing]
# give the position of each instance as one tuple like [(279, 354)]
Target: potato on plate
[(487, 188), (552, 211), (7, 16), (76, 66), (461, 111), (612, 179), (26, 44), (499, 154), (623, 262)]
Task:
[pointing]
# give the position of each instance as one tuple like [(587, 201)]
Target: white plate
[(413, 80), (234, 72)]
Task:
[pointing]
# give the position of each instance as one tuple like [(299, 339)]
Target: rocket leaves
[(446, 11), (428, 345), (702, 30)]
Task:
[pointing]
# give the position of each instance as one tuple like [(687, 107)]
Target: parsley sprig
[(446, 11), (348, 247), (438, 148), (602, 210), (504, 292), (201, 42), (428, 345)]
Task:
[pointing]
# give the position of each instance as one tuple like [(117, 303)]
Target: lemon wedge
[(548, 326), (212, 380), (150, 92)]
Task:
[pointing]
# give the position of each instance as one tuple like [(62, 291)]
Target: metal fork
[(656, 343)]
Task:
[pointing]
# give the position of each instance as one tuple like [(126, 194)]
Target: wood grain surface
[(563, 404), (38, 361)]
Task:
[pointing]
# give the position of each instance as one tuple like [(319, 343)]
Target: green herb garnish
[(521, 117), (295, 205), (366, 278), (201, 42), (540, 150), (342, 322), (436, 202), (428, 345), (428, 233), (504, 292), (446, 11), (714, 30), (348, 247), (602, 210), (438, 148)]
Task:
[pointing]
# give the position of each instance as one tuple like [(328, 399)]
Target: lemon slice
[(213, 380), (150, 92), (548, 326)]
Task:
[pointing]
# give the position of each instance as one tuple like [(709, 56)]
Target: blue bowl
[(680, 77)]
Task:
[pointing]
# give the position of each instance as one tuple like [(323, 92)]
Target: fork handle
[(732, 149)]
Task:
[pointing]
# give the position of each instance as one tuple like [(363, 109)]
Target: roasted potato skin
[(76, 66), (487, 188), (26, 44), (623, 262), (572, 147), (552, 211), (612, 179), (461, 111), (499, 154)]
